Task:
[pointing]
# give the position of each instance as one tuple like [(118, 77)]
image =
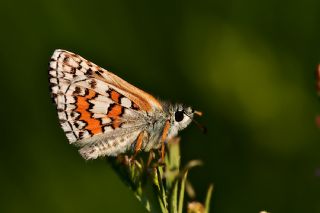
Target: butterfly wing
[(97, 109)]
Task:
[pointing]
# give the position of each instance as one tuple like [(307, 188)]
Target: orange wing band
[(93, 125)]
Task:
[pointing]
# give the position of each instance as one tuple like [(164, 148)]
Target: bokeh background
[(248, 65)]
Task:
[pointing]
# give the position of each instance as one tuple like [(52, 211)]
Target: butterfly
[(104, 115)]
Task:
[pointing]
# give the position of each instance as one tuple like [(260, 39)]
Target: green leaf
[(208, 198), (172, 161), (162, 187), (163, 208), (182, 189), (174, 198)]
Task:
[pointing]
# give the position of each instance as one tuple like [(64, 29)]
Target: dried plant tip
[(196, 207)]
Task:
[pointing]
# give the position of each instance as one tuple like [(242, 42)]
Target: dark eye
[(178, 116)]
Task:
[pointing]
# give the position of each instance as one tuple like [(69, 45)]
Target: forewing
[(92, 101), (82, 68)]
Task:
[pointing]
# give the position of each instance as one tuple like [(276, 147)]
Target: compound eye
[(178, 116)]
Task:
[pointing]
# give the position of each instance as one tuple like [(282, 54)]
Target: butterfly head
[(181, 116)]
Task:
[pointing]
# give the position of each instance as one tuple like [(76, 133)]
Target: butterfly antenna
[(200, 126)]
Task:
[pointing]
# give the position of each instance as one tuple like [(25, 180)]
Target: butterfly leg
[(138, 145), (163, 139), (150, 158)]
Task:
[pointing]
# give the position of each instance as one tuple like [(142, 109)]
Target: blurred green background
[(248, 65)]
